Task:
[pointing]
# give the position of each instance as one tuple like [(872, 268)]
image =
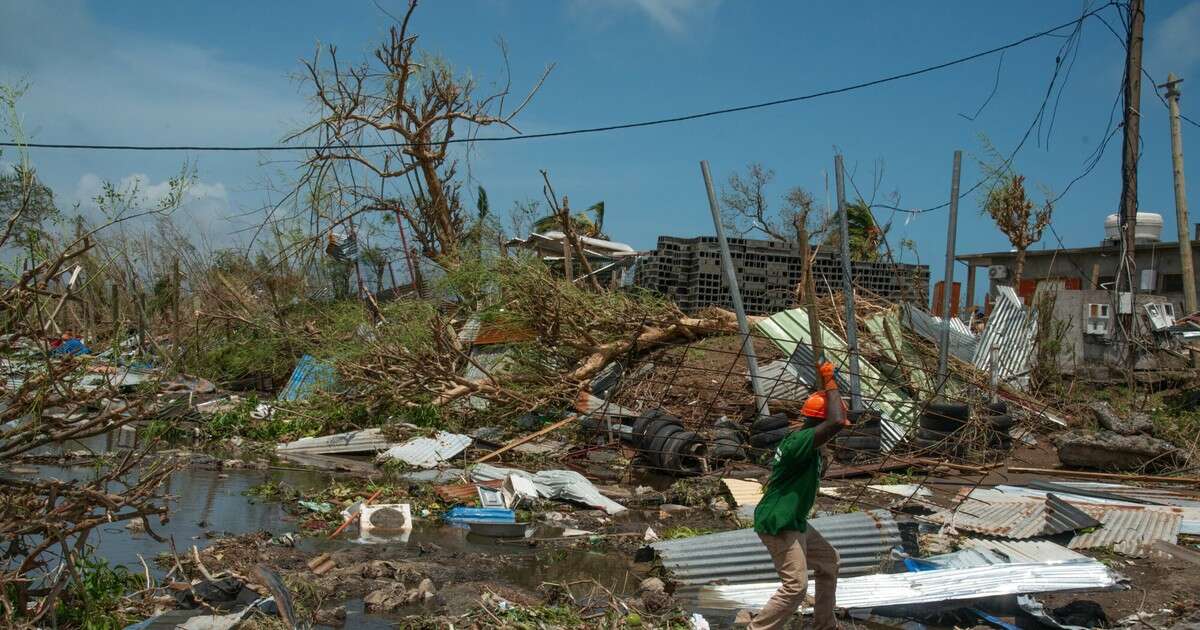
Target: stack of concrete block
[(688, 270)]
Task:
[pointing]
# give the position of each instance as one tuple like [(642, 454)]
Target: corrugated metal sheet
[(308, 375), (491, 333), (789, 331), (1092, 505), (977, 552), (1168, 496), (489, 358), (1016, 519), (1011, 328), (781, 383), (744, 491), (364, 441), (962, 343), (940, 585), (466, 336), (1130, 532), (458, 493), (428, 452), (862, 539), (1025, 551)]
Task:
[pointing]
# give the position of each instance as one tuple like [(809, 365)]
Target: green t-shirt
[(792, 488)]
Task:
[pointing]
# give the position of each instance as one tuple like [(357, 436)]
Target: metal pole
[(948, 283), (848, 287), (760, 399), (1181, 209)]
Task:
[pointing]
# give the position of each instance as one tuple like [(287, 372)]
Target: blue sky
[(225, 73)]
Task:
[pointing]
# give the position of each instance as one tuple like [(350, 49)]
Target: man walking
[(781, 518)]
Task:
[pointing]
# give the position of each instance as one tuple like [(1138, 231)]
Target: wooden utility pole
[(1129, 164), (810, 294), (848, 288), (1181, 209)]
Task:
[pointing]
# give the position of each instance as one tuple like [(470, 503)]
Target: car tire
[(654, 449), (769, 423), (769, 438), (674, 448)]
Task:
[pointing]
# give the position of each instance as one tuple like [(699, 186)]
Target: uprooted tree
[(410, 107)]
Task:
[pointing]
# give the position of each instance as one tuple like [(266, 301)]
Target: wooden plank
[(1099, 475), (532, 436)]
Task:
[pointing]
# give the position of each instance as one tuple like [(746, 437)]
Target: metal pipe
[(948, 283), (760, 399), (848, 287)]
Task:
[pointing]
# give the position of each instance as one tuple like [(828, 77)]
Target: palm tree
[(583, 223)]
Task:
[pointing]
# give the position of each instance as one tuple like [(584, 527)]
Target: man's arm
[(835, 414), (832, 424)]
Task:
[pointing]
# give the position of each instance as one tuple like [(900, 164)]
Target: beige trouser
[(794, 553)]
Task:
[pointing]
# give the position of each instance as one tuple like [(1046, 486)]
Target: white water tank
[(1149, 227)]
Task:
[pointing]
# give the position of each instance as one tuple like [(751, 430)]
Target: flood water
[(203, 503)]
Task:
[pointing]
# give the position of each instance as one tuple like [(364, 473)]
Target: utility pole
[(948, 283), (1129, 164), (810, 295), (848, 288), (760, 398), (1181, 209)]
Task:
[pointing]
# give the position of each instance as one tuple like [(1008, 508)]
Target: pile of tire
[(766, 432), (938, 426), (728, 442), (665, 446), (859, 441), (997, 422)]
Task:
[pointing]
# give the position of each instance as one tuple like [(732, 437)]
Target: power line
[(587, 130)]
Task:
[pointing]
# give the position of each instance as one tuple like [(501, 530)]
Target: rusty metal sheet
[(1130, 532)]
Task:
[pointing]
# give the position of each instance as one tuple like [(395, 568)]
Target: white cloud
[(673, 16), (203, 210), (1175, 42), (139, 189)]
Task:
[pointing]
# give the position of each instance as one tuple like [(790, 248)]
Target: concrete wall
[(1083, 354)]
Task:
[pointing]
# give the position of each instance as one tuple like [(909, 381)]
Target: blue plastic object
[(308, 375), (464, 516), (73, 347)]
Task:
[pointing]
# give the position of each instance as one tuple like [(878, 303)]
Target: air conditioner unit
[(997, 272)]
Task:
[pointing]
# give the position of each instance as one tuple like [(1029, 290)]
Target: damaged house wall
[(1082, 351)]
